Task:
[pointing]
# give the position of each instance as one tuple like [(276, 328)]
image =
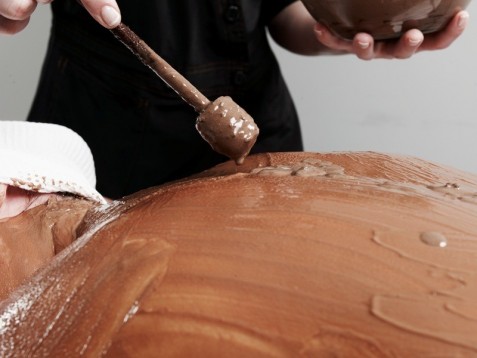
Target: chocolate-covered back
[(297, 254), (384, 19)]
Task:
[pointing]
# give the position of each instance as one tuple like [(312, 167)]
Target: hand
[(15, 14), (411, 42), (106, 12)]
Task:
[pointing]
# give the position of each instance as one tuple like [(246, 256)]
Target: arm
[(294, 29), (15, 14)]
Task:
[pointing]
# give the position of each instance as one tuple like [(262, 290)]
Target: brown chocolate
[(29, 240), (169, 75), (260, 260), (228, 128), (223, 124)]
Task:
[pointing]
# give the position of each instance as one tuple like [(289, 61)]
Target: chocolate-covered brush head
[(228, 128)]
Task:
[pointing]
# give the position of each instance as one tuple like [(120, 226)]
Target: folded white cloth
[(46, 158)]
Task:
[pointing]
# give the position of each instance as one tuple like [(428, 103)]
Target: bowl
[(383, 19)]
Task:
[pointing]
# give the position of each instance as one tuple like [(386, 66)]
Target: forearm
[(293, 29)]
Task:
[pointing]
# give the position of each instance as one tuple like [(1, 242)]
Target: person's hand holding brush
[(15, 14)]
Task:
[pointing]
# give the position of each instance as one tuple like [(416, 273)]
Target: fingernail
[(463, 19), (414, 42), (363, 45), (318, 30), (110, 16)]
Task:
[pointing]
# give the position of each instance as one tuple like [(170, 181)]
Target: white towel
[(46, 158)]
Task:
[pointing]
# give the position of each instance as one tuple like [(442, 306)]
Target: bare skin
[(15, 14), (14, 201), (293, 28)]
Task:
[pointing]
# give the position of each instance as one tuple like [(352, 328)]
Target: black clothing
[(139, 130)]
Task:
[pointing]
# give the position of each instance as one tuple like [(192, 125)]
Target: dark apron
[(140, 132)]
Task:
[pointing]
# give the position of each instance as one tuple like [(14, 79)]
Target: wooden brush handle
[(169, 75)]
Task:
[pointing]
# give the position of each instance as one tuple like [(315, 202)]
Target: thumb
[(106, 12)]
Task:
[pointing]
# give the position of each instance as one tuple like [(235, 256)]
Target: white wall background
[(425, 106)]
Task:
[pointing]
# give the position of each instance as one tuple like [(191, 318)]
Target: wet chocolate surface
[(261, 260), (29, 241), (228, 128)]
